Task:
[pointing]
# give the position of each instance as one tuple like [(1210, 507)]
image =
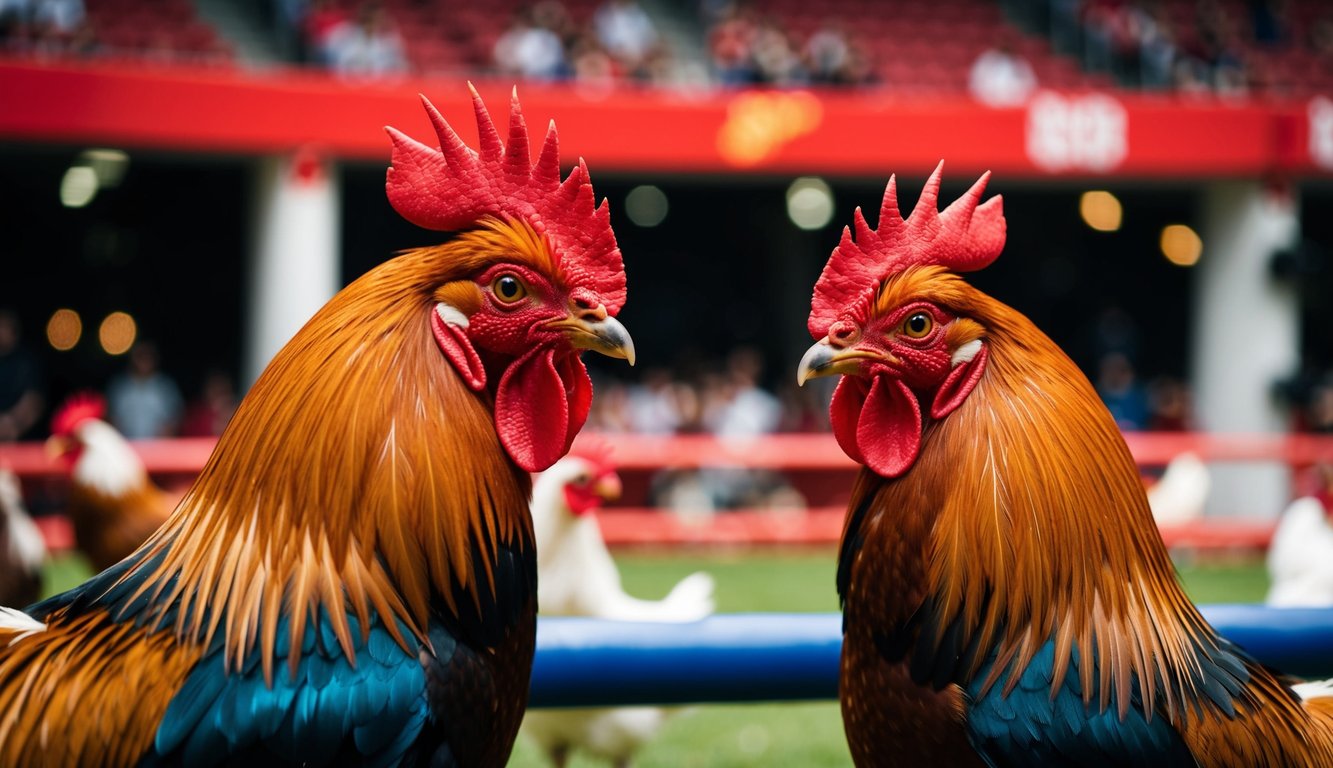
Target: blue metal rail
[(790, 657)]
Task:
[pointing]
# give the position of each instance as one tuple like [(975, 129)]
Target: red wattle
[(889, 432), (845, 412), (877, 423), (578, 390), (539, 407)]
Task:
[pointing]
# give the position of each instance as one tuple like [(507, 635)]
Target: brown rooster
[(1007, 599), (352, 580), (113, 505)]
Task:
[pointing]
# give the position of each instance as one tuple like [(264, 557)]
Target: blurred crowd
[(51, 27), (1186, 46), (722, 398), (1196, 47), (142, 400), (747, 47)]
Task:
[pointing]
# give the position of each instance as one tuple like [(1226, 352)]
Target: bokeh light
[(1100, 210), (78, 187), (1181, 245), (646, 205), (64, 329), (810, 203), (117, 333)]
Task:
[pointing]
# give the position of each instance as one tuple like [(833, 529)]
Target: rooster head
[(890, 314), (66, 442), (592, 478), (533, 277)]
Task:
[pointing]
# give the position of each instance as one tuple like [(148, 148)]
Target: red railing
[(818, 454)]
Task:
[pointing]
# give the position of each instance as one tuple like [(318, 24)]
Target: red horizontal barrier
[(867, 132), (186, 456), (633, 526)]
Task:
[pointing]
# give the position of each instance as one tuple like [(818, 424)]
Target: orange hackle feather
[(1024, 518), (328, 464), (361, 482), (351, 480)]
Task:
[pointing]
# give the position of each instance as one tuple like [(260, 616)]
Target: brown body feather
[(359, 475), (108, 528), (1024, 520)]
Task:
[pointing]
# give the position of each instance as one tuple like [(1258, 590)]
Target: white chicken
[(22, 548), (113, 504), (1300, 557), (1178, 497), (577, 577)]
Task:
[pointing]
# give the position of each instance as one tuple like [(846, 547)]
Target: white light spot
[(108, 165), (450, 314), (965, 353), (646, 205), (810, 203), (79, 186)]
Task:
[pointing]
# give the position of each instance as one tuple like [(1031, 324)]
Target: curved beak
[(608, 488), (57, 446), (823, 359), (606, 336)]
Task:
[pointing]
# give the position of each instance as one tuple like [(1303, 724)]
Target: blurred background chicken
[(577, 577), (1179, 495), (22, 548), (1300, 557), (113, 505)]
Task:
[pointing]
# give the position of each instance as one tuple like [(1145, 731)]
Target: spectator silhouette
[(143, 402), (21, 396)]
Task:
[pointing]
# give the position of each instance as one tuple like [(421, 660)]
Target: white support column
[(295, 265), (1246, 336)]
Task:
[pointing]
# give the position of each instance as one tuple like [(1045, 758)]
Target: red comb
[(452, 187), (595, 451), (964, 237), (77, 409)]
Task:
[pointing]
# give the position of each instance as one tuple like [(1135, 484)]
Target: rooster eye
[(509, 289), (918, 326)]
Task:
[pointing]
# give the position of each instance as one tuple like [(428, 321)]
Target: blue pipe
[(792, 656)]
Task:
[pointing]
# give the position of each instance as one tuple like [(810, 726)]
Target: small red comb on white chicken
[(113, 504)]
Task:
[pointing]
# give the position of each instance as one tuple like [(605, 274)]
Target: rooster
[(577, 577), (351, 578), (22, 548), (1006, 597), (113, 505)]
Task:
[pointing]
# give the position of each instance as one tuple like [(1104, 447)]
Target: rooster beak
[(823, 359), (57, 446), (608, 488), (605, 335)]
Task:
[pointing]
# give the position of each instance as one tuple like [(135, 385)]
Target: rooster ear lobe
[(959, 383), (450, 329)]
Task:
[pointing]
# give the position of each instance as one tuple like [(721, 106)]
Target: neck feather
[(359, 474)]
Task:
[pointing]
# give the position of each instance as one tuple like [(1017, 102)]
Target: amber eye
[(509, 289), (918, 326)]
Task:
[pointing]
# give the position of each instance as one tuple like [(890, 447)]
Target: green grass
[(737, 736)]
